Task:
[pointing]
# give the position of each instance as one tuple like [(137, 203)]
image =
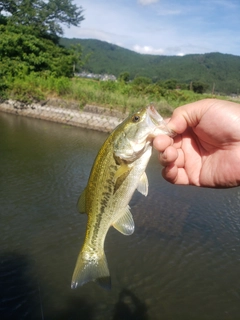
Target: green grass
[(113, 95)]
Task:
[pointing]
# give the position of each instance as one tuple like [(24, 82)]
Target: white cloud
[(147, 2), (180, 54), (88, 33), (147, 50)]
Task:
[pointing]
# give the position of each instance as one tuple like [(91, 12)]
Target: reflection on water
[(19, 292), (129, 307), (182, 262)]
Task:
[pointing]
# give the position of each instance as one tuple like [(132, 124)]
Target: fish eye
[(136, 118)]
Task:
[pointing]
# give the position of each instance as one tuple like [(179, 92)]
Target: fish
[(118, 170)]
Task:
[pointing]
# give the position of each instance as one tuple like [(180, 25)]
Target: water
[(182, 262)]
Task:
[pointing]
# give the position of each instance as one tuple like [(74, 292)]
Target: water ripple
[(182, 262)]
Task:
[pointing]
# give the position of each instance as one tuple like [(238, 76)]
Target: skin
[(206, 149)]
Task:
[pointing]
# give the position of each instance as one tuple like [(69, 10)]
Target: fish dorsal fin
[(125, 223), (143, 184), (81, 202)]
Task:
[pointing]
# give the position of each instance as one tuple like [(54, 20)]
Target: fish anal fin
[(81, 202), (143, 184), (125, 223)]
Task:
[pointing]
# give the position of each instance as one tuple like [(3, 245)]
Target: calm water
[(182, 262)]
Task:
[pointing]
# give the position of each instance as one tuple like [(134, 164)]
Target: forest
[(219, 72)]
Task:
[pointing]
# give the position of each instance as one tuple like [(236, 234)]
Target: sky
[(162, 27)]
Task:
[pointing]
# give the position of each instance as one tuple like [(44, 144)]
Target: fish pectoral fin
[(143, 184), (122, 170), (125, 223), (81, 202), (120, 175)]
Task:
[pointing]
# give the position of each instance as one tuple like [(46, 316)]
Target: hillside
[(220, 70)]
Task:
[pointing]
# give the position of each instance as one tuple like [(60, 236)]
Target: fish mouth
[(154, 115), (154, 118)]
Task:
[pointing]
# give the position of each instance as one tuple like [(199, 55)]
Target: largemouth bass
[(118, 170)]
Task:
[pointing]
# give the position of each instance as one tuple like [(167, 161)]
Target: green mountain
[(221, 71)]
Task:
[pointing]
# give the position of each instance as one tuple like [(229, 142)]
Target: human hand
[(206, 150)]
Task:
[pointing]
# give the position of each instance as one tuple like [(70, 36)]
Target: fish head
[(136, 133)]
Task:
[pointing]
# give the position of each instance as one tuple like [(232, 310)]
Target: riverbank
[(91, 117)]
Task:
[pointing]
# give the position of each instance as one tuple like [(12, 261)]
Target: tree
[(29, 35), (45, 17), (76, 51), (199, 87), (124, 76), (22, 52), (142, 81), (170, 84)]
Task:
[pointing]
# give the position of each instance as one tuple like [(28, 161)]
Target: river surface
[(182, 262)]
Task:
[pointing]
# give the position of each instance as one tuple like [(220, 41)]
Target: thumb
[(188, 115)]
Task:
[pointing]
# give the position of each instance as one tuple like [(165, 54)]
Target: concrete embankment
[(90, 117)]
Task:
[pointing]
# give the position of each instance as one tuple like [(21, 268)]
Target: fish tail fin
[(89, 268)]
